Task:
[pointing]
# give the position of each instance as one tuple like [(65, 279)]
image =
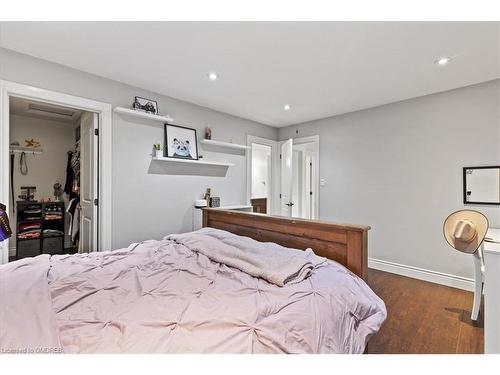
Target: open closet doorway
[(53, 179), (97, 160), (299, 177), (262, 169)]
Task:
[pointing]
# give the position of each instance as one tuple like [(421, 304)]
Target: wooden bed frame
[(344, 243)]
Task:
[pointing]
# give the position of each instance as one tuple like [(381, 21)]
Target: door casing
[(104, 110), (275, 168), (314, 173)]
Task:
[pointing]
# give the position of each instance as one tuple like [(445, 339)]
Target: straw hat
[(465, 230)]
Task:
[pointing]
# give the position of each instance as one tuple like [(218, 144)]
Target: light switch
[(322, 182)]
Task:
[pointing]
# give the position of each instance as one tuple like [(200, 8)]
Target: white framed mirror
[(481, 185)]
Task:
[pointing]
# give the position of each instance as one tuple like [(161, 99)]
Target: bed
[(218, 290)]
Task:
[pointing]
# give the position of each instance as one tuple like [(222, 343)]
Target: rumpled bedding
[(277, 264), (164, 297)]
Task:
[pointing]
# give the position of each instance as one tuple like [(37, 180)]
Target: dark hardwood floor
[(424, 317)]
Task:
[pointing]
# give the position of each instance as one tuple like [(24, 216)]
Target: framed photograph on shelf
[(180, 142), (145, 105)]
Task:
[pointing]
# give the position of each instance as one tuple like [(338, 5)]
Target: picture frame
[(481, 185), (145, 105), (180, 142)]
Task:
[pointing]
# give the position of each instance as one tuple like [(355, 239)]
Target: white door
[(88, 182), (286, 178), (308, 190)]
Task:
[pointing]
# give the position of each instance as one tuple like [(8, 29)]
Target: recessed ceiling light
[(212, 76), (287, 107), (442, 61)]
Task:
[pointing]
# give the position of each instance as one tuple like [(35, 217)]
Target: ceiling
[(319, 68), (31, 108)]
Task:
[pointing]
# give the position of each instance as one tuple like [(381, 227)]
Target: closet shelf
[(189, 161), (28, 150), (149, 116), (224, 144)]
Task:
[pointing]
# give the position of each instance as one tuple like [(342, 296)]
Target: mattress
[(163, 297)]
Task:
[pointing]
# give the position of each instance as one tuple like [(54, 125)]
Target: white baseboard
[(422, 274)]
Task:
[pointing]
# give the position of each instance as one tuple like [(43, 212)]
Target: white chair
[(478, 281)]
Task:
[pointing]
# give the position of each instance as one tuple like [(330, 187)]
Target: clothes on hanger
[(69, 174), (72, 205), (75, 163), (75, 228), (12, 159), (23, 164), (73, 211), (72, 184), (72, 188)]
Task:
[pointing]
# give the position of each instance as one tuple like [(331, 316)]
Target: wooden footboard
[(344, 243)]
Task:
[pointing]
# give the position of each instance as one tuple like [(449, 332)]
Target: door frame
[(104, 110), (315, 172), (275, 185)]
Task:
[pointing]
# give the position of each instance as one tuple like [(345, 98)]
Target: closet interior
[(44, 179)]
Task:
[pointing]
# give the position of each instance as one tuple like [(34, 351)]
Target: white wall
[(147, 203), (44, 169), (398, 168)]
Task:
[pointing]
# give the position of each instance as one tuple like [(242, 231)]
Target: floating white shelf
[(224, 144), (189, 161), (149, 116), (27, 150)]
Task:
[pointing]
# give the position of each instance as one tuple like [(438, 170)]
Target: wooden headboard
[(344, 243)]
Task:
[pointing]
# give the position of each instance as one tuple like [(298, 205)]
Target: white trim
[(422, 274), (104, 110), (275, 183)]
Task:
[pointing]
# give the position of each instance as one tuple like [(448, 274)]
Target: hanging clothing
[(23, 164), (72, 205), (75, 164), (74, 230), (12, 159), (69, 174), (5, 230)]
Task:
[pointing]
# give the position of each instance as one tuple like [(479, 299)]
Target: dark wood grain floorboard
[(423, 317)]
